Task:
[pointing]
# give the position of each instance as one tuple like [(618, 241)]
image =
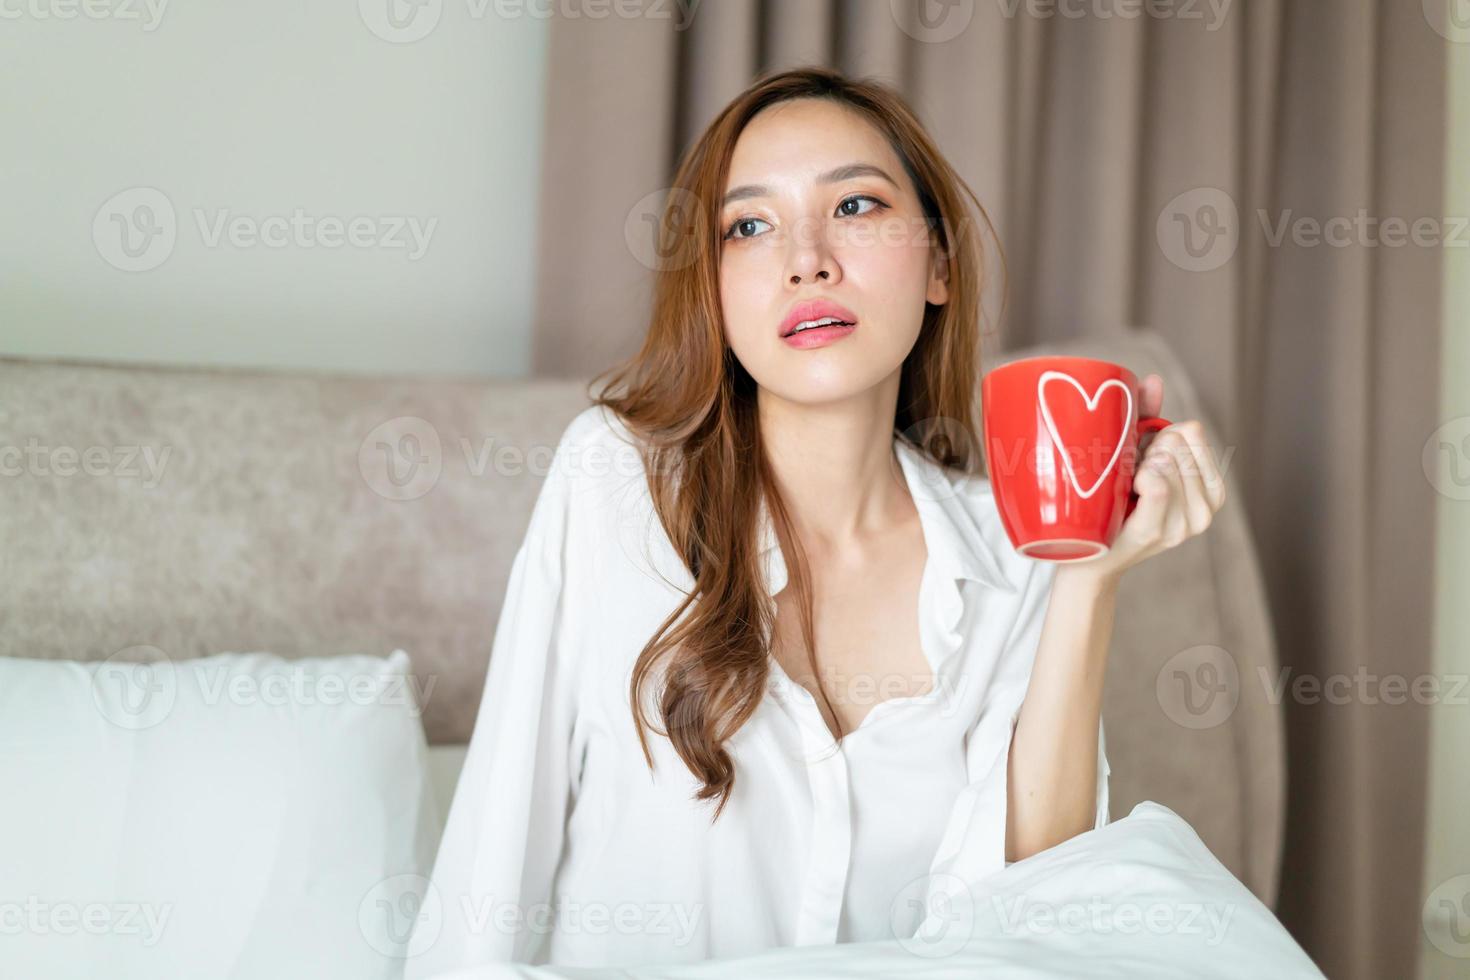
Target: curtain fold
[(1137, 170)]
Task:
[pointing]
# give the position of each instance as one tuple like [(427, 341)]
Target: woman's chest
[(866, 645), (816, 843)]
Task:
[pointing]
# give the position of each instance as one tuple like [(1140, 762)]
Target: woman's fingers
[(1185, 446), (1151, 397), (1179, 487), (1165, 485), (1193, 432), (1197, 507)]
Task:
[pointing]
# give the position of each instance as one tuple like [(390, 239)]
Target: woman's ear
[(938, 291)]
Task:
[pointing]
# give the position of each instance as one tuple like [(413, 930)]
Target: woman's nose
[(811, 259)]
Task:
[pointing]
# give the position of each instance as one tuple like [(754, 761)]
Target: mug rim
[(1031, 546), (1060, 357)]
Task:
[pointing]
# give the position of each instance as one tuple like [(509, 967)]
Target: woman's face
[(818, 209)]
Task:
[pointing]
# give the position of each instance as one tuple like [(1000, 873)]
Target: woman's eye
[(846, 212), (744, 228), (850, 207)]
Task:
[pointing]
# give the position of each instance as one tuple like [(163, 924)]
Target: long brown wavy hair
[(693, 407)]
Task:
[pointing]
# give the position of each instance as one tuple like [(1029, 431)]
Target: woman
[(768, 666)]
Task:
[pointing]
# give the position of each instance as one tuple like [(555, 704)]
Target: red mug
[(1061, 441)]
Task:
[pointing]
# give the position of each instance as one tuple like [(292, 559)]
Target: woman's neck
[(835, 465)]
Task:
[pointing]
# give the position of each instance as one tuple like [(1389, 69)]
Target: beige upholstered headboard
[(200, 511)]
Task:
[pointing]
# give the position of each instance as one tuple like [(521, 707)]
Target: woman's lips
[(820, 336), (812, 310)]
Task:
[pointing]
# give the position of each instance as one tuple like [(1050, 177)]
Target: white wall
[(1447, 864), (257, 110)]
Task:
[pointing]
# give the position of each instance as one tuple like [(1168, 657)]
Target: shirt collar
[(956, 544)]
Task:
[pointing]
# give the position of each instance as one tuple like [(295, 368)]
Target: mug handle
[(1151, 424)]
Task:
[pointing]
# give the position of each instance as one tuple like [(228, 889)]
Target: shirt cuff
[(1103, 771)]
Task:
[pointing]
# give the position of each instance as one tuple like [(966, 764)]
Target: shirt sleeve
[(493, 873), (974, 842)]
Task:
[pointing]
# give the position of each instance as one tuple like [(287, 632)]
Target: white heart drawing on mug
[(1091, 404)]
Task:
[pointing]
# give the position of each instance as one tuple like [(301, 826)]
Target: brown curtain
[(1136, 168)]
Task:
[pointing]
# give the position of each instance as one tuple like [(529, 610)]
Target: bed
[(193, 511)]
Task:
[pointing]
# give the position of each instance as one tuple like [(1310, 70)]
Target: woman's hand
[(1179, 487)]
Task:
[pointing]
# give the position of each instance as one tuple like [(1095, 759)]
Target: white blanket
[(1139, 897)]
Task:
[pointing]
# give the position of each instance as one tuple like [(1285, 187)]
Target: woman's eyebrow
[(845, 172)]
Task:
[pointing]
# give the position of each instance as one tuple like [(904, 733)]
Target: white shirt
[(562, 847)]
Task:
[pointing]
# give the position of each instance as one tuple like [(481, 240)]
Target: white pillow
[(238, 815)]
